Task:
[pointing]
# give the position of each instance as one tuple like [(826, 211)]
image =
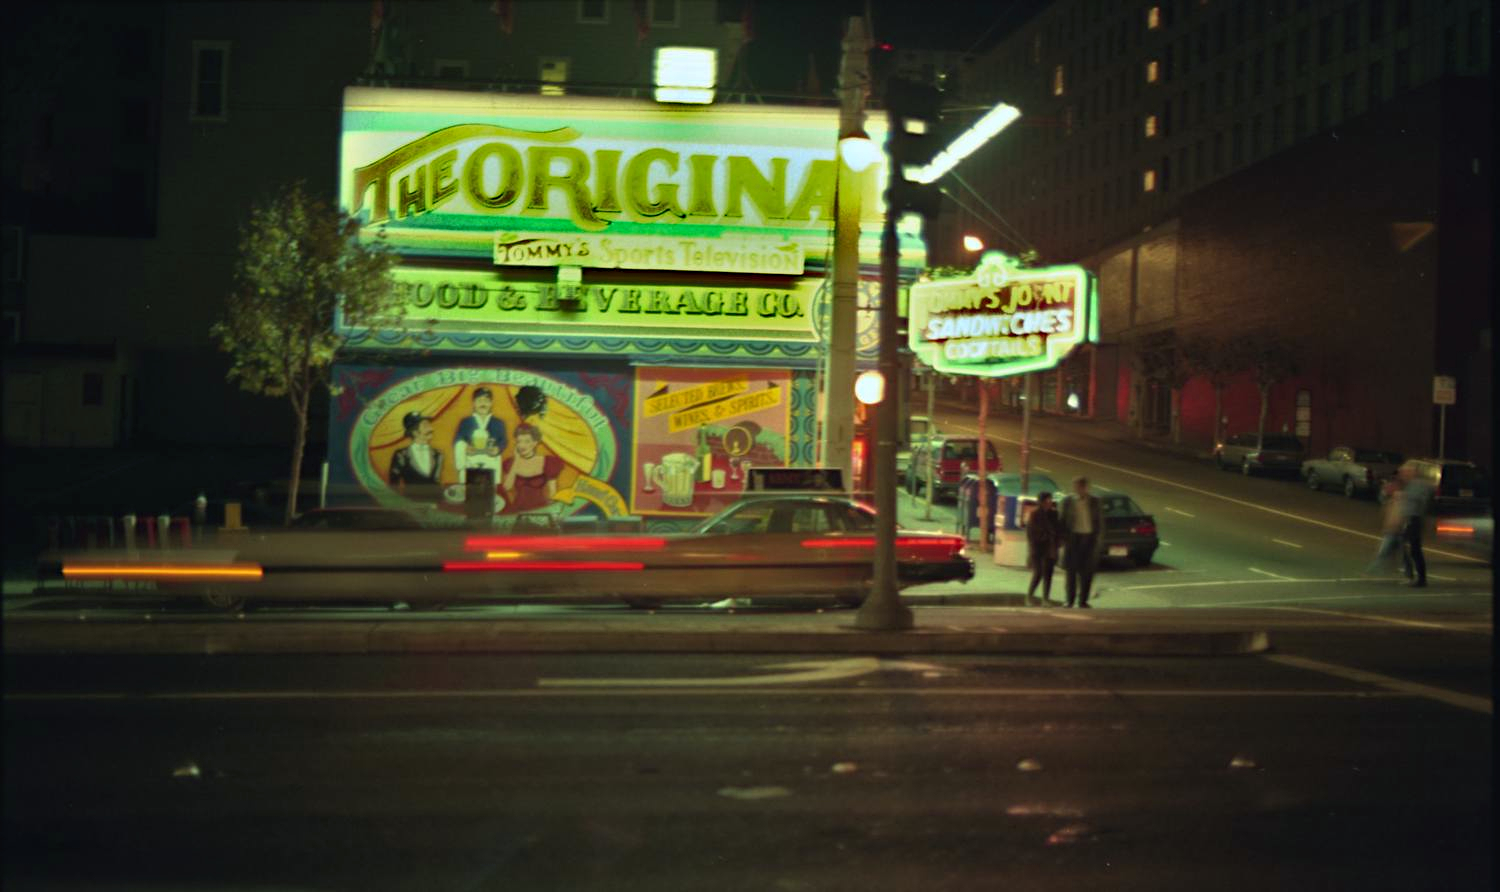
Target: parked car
[(1277, 453), (1458, 487), (1129, 532), (953, 457), (1471, 534), (919, 429), (1353, 470)]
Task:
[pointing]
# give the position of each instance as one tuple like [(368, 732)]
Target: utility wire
[(1020, 244), (1014, 233)]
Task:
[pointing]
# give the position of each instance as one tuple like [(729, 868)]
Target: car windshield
[(1456, 477), (1119, 506), (1277, 441), (967, 450), (1376, 456)]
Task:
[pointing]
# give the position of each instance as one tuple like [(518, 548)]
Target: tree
[(1271, 360), (1218, 361), (300, 262), (1153, 360)]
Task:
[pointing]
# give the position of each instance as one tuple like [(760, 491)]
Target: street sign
[(1444, 390)]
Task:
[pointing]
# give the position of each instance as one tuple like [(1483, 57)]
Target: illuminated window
[(553, 73), (1057, 81), (1148, 181), (1153, 18), (1153, 71), (1150, 126), (210, 99)]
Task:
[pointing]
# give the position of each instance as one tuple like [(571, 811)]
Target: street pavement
[(1349, 758)]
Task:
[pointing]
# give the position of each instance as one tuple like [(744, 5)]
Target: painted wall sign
[(1003, 320), (444, 171), (698, 431), (780, 257), (477, 301)]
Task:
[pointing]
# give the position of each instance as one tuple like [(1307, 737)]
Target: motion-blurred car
[(1274, 453), (952, 458), (919, 429), (814, 544), (1458, 487), (1353, 470), (1472, 534), (1129, 532), (772, 544)]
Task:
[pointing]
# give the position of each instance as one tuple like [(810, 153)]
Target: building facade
[(1219, 164)]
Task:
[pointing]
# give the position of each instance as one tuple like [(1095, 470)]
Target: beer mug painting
[(676, 475), (648, 473)]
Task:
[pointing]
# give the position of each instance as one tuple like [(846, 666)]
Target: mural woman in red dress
[(531, 477)]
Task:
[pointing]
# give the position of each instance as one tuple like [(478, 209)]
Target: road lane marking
[(1270, 574), (1286, 543), (1414, 623), (1364, 597), (810, 671), (534, 693), (1214, 495), (1175, 511), (1442, 695), (1163, 542)]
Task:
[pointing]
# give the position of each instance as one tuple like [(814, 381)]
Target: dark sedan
[(1129, 532)]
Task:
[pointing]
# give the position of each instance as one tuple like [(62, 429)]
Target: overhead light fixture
[(994, 120), (686, 74)]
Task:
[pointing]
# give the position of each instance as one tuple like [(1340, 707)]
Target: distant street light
[(869, 387), (973, 243), (686, 74)]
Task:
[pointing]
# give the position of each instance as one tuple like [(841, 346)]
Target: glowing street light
[(859, 151), (994, 120), (973, 243), (869, 387)]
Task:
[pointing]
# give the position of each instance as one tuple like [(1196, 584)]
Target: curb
[(395, 637)]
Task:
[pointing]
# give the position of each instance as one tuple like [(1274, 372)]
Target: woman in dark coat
[(1043, 536)]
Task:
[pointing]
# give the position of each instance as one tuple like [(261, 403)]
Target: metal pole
[(984, 490), (837, 442), (931, 392), (883, 610), (1442, 429), (1026, 433)]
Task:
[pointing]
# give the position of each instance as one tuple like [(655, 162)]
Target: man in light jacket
[(1083, 540)]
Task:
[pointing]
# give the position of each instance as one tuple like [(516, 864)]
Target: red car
[(952, 458)]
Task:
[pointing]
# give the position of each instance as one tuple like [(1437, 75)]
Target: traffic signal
[(914, 110)]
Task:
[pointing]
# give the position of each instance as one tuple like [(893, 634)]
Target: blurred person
[(1082, 528), (1044, 534), (417, 467), (1414, 500), (1391, 527), (531, 477)]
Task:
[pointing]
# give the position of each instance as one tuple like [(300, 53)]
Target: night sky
[(791, 36)]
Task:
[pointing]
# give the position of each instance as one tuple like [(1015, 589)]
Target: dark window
[(1237, 146), (1220, 93), (1257, 73), (1377, 19), (135, 122), (1403, 14), (93, 389), (1450, 49), (1304, 40), (1299, 116), (1239, 82), (1347, 92), (1325, 105), (1403, 70), (1200, 169), (1166, 173), (1472, 34), (1325, 40), (210, 80), (1219, 152), (135, 48), (1221, 33), (1257, 126), (1351, 28), (1278, 67), (1203, 43), (663, 12), (1278, 125), (593, 11)]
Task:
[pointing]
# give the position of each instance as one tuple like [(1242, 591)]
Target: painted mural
[(505, 446), (698, 430)]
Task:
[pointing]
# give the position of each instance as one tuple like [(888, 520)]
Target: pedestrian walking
[(1392, 524), (1414, 500), (1082, 526), (1043, 537)]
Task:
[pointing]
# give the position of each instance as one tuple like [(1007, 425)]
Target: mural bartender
[(476, 447)]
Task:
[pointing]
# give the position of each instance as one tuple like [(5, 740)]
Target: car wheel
[(1219, 460), (222, 599), (1312, 480), (851, 600), (1245, 468), (1349, 489)]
